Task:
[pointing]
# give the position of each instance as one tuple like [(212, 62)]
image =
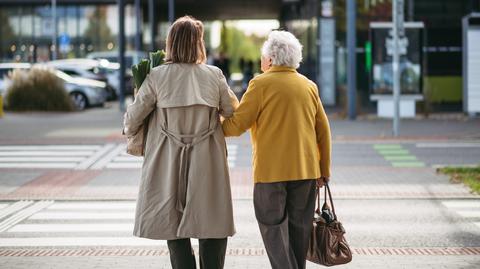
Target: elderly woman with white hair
[(291, 149)]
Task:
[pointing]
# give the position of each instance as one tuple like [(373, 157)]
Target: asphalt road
[(67, 195)]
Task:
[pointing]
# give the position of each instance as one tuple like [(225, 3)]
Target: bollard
[(1, 106)]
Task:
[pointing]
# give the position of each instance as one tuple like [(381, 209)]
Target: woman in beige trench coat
[(185, 189)]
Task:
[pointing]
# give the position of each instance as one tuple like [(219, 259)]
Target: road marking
[(23, 214), (400, 158), (387, 146), (37, 165), (55, 215), (78, 157), (118, 205), (448, 145), (103, 162), (12, 208), (462, 204), (392, 151), (71, 228), (45, 153), (50, 147), (50, 156), (41, 159), (469, 214), (80, 241), (408, 164), (156, 248), (397, 155), (92, 159)]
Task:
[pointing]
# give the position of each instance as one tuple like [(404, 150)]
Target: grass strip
[(469, 176)]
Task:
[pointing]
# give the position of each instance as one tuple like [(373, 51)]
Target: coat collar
[(279, 68)]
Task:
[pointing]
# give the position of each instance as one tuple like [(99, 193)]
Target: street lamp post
[(352, 58), (151, 19), (398, 30), (54, 25), (138, 36), (121, 53), (171, 11)]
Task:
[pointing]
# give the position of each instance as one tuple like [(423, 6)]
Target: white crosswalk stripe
[(78, 157), (51, 156), (123, 160), (468, 209), (71, 223)]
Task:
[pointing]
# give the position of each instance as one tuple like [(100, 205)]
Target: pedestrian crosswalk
[(467, 209), (69, 223), (79, 157), (51, 156)]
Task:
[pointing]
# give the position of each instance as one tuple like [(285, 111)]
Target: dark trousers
[(211, 252), (284, 212)]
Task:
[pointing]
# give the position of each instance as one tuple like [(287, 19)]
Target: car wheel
[(79, 100)]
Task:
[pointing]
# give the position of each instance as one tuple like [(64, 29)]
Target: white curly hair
[(283, 48)]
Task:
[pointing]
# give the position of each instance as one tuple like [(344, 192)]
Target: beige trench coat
[(185, 186)]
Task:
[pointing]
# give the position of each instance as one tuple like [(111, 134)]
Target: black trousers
[(211, 252), (284, 212)]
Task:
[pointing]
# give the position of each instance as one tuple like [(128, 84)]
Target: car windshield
[(64, 76)]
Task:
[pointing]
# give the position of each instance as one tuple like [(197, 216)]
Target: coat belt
[(185, 149)]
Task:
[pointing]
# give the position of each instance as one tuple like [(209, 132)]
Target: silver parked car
[(83, 91), (102, 70)]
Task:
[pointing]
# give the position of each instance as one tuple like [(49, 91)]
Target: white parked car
[(5, 69)]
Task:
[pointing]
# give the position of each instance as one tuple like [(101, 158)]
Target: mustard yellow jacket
[(289, 128)]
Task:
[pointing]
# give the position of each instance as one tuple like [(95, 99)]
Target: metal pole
[(77, 30), (171, 11), (411, 10), (396, 70), (121, 53), (138, 26), (151, 19), (352, 58), (54, 25)]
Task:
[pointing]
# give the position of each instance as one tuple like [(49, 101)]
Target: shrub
[(38, 89)]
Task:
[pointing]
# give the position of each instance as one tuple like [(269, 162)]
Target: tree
[(98, 32), (6, 34), (235, 44)]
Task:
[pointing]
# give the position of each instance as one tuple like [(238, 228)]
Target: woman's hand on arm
[(144, 103), (228, 100), (247, 112)]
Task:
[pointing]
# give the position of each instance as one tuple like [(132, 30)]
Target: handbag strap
[(328, 193)]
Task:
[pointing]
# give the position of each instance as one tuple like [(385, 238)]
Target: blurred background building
[(237, 28)]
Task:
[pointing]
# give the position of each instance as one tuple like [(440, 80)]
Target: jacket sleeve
[(144, 103), (324, 142), (228, 100), (247, 112)]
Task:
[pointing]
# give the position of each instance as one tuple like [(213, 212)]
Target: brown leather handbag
[(327, 242)]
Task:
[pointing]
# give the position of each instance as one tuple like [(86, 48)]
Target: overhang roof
[(201, 9)]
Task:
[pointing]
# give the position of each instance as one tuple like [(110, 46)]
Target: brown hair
[(185, 42)]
